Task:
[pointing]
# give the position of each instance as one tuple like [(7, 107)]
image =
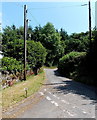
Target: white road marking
[(48, 98), (44, 89), (70, 113), (54, 95), (73, 94), (84, 112), (80, 109), (49, 92), (41, 93), (52, 102), (65, 101), (75, 107), (93, 116), (56, 104)]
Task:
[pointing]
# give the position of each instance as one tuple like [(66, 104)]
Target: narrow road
[(63, 98)]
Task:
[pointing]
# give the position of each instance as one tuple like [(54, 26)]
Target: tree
[(20, 32), (48, 29), (77, 42), (63, 34), (36, 54), (36, 35), (51, 40), (9, 34), (14, 49)]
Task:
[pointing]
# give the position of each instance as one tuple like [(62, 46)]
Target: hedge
[(69, 63)]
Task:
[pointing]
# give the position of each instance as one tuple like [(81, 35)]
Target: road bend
[(63, 98)]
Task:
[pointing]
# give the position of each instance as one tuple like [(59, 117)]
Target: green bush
[(36, 54), (79, 45), (69, 64), (10, 64)]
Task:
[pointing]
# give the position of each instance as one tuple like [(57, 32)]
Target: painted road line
[(75, 107), (48, 98), (44, 89), (49, 92), (41, 93), (84, 112), (65, 102), (64, 110), (93, 116), (80, 109), (71, 114), (73, 94), (52, 102), (56, 104), (54, 95)]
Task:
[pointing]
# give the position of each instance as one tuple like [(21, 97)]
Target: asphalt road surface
[(63, 98)]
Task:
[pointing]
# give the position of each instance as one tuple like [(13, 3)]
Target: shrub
[(12, 65), (36, 54), (68, 64)]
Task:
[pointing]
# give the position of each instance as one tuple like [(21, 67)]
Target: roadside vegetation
[(47, 46), (16, 93)]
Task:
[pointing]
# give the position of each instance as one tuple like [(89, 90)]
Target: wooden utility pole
[(90, 34), (25, 36)]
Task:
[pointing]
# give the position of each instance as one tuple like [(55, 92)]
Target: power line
[(19, 5), (59, 7), (34, 18)]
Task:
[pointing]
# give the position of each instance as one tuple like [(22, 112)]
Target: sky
[(70, 16)]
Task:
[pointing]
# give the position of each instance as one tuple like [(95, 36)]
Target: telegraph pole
[(90, 34), (25, 36)]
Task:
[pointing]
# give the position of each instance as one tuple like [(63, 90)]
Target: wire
[(34, 18), (59, 7), (19, 5)]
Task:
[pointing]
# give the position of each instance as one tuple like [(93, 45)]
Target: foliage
[(92, 57), (70, 62), (14, 49), (11, 64), (48, 29), (51, 40), (64, 35), (46, 45), (17, 92), (77, 45), (36, 54)]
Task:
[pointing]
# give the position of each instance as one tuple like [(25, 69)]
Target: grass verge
[(52, 67), (16, 93)]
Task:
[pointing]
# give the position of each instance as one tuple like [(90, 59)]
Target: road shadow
[(53, 84), (70, 86), (57, 73)]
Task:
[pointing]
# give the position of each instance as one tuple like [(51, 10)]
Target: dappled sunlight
[(69, 86)]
